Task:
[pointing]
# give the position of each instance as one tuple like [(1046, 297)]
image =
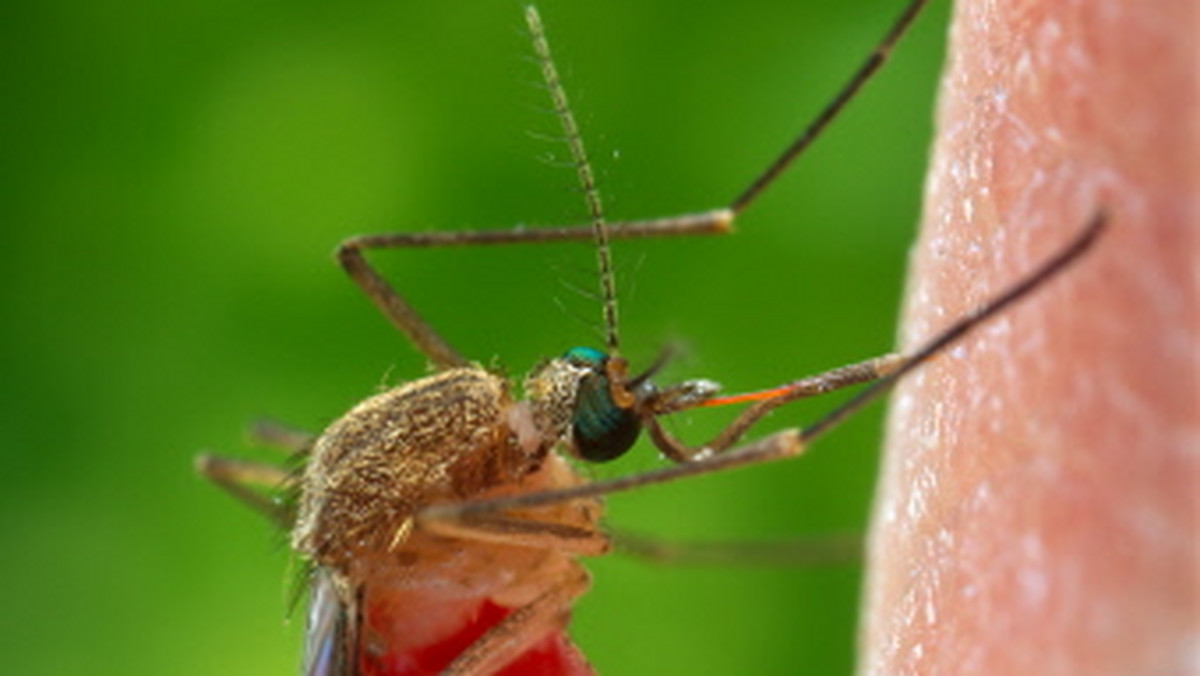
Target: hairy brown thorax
[(440, 438)]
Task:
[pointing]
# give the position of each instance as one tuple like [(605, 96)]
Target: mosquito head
[(585, 399)]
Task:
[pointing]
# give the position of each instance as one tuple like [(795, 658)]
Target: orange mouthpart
[(761, 395)]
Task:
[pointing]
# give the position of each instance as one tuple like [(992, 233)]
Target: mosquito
[(441, 522)]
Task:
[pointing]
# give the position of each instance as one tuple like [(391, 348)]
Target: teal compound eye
[(602, 430), (586, 356)]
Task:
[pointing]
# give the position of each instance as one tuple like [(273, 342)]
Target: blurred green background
[(176, 176)]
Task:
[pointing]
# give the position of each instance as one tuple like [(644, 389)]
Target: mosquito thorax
[(451, 435)]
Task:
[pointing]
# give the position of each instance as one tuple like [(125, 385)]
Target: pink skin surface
[(1038, 510)]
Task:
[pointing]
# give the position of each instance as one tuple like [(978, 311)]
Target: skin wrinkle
[(1037, 499)]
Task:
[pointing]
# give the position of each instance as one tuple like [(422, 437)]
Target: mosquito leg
[(280, 435), (784, 444), (518, 531), (238, 477), (818, 550), (523, 628), (864, 73), (242, 472), (395, 308)]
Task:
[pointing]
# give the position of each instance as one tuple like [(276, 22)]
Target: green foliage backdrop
[(177, 175)]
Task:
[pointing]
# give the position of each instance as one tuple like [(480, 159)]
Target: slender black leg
[(396, 308)]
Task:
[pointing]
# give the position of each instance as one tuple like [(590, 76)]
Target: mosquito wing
[(326, 630)]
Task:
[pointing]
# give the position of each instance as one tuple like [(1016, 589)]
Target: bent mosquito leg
[(519, 531), (240, 477), (402, 314), (523, 628), (281, 435), (809, 551)]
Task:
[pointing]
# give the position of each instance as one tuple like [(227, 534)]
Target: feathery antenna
[(587, 179)]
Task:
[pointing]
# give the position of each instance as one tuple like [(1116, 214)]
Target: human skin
[(1037, 511)]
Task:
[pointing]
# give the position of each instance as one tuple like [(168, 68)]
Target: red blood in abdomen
[(554, 655)]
